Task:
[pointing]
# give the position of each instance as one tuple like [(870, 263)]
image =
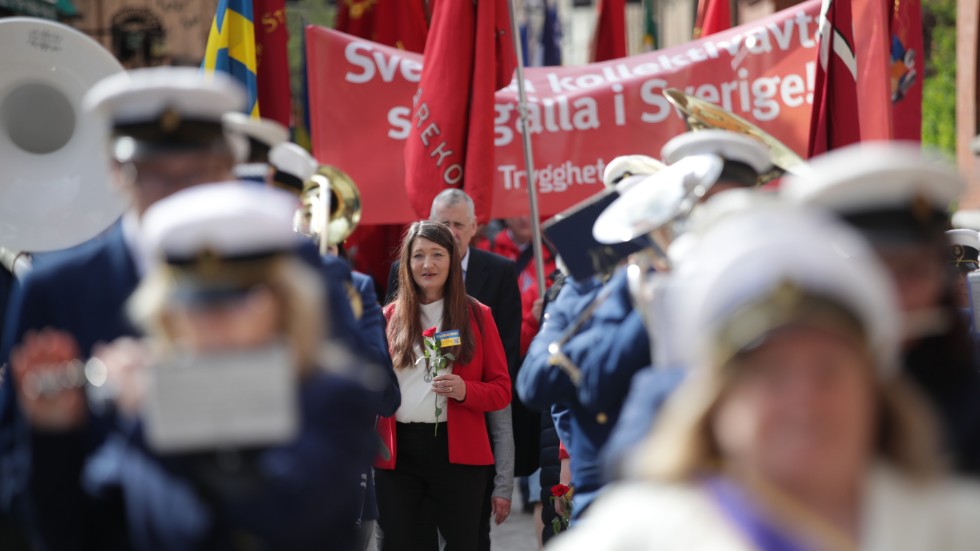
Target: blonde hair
[(297, 287), (682, 446)]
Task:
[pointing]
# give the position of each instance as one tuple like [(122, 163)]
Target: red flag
[(398, 23), (835, 119), (468, 56), (907, 69), (609, 41), (402, 24), (272, 60), (713, 17)]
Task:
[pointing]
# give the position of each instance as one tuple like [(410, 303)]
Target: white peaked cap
[(228, 219), (629, 165), (873, 176), (744, 258), (143, 95), (266, 131), (727, 145), (293, 160), (965, 238)]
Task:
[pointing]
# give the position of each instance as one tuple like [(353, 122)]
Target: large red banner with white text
[(580, 117)]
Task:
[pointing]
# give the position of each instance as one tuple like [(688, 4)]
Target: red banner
[(275, 101), (581, 117)]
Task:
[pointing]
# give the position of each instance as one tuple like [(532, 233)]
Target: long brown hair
[(405, 324)]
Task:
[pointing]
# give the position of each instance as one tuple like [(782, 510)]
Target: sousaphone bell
[(54, 188)]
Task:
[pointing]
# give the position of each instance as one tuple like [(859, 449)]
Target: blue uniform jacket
[(304, 494), (83, 291), (649, 391), (371, 327), (612, 349), (541, 386)]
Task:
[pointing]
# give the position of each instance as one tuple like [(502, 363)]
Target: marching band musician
[(964, 249), (543, 386), (224, 278), (289, 167), (616, 345), (165, 135), (255, 138), (897, 197), (795, 429)]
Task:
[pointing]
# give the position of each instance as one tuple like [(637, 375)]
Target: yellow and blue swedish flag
[(231, 48)]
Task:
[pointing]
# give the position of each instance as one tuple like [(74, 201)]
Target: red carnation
[(559, 490), (430, 332)]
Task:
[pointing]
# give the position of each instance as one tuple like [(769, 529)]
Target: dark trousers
[(423, 473), (487, 511)]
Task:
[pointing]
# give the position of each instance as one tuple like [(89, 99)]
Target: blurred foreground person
[(163, 134), (897, 197), (229, 427), (794, 429), (452, 370)]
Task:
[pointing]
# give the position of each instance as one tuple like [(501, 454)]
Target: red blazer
[(487, 389)]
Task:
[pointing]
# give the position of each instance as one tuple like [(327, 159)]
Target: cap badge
[(921, 208), (169, 120)]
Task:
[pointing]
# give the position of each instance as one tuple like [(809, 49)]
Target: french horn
[(54, 190), (699, 114)]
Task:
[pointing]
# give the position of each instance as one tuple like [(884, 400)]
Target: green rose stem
[(436, 362)]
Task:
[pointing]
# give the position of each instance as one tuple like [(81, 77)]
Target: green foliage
[(939, 86), (299, 14)]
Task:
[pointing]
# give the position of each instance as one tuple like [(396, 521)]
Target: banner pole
[(532, 188)]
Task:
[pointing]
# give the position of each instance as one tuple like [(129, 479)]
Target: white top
[(897, 515), (418, 400)]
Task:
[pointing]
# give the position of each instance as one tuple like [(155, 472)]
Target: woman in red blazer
[(452, 370)]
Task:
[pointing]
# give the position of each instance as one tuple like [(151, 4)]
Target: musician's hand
[(47, 351), (537, 307), (500, 509), (125, 360)]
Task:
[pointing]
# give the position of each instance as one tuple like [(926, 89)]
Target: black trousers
[(423, 473)]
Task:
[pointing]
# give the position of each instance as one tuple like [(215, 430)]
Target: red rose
[(559, 490), (430, 332)]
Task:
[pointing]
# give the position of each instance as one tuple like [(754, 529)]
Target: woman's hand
[(48, 355), (125, 361), (449, 385)]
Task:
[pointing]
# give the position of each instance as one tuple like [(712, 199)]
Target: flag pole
[(532, 188)]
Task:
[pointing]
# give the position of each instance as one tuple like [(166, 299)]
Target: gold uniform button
[(602, 418)]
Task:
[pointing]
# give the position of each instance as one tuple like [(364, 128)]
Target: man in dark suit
[(492, 280)]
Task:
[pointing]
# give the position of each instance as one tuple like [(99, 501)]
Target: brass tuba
[(702, 115), (54, 189)]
